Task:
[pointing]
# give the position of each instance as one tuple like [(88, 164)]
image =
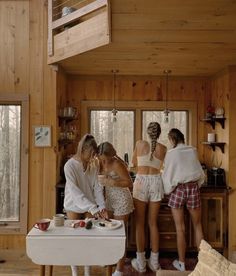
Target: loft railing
[(76, 26)]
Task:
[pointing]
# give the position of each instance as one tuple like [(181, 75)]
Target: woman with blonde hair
[(116, 179), (83, 194), (148, 192)]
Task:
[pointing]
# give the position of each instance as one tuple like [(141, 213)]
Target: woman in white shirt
[(83, 194), (182, 177), (147, 193)]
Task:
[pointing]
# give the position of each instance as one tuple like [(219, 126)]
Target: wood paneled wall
[(223, 94), (142, 88), (24, 69)]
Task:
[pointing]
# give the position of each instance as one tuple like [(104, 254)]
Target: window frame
[(138, 107), (20, 227)]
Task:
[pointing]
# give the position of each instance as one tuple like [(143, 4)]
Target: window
[(133, 119), (104, 129), (177, 119), (13, 163)]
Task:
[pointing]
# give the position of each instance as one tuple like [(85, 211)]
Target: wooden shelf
[(213, 120), (64, 120), (213, 145)]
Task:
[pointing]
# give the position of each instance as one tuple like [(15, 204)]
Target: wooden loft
[(76, 26), (192, 38)]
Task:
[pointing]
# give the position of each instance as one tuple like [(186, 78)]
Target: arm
[(98, 195), (80, 199), (123, 179), (134, 157)]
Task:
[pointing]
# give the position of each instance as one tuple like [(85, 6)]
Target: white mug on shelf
[(211, 137)]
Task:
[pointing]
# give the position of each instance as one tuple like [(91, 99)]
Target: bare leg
[(74, 216), (121, 263), (197, 224), (178, 215), (153, 210), (140, 209)]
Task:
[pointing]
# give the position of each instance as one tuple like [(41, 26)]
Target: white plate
[(114, 224)]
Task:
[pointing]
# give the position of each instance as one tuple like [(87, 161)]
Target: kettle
[(216, 177)]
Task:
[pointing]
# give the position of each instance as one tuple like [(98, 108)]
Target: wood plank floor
[(18, 264)]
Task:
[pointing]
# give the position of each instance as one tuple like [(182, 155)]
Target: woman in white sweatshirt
[(83, 194), (182, 177)]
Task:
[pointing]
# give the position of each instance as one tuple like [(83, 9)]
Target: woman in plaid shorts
[(182, 177)]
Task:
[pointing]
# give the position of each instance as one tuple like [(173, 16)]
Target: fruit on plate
[(89, 224), (82, 223)]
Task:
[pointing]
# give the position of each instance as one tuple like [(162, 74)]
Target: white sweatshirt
[(181, 165), (83, 193)]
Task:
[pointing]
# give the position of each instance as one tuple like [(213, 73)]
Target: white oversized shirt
[(181, 165), (83, 193)]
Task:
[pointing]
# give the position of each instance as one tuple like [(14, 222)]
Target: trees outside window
[(13, 163), (133, 119)]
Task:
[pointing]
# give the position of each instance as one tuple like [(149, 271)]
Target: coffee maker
[(216, 177)]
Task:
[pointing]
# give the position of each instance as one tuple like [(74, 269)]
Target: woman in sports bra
[(116, 179), (148, 191)]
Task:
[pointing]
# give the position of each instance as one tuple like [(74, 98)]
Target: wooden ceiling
[(189, 37)]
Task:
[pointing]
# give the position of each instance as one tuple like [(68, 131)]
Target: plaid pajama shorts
[(185, 194)]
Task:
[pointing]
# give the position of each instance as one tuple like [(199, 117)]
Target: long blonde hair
[(153, 131), (86, 142)]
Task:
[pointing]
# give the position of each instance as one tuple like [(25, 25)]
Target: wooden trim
[(21, 226), (138, 106), (50, 29)]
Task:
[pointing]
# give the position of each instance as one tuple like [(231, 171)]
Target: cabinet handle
[(167, 219), (167, 237)]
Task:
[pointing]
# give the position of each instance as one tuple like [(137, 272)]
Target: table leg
[(50, 270), (108, 270), (42, 270)]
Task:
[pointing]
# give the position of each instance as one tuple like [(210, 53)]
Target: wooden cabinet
[(215, 217), (214, 220)]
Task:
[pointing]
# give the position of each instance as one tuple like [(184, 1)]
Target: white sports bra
[(144, 160)]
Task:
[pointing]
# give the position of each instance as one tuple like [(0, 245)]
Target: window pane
[(177, 119), (119, 133), (10, 133)]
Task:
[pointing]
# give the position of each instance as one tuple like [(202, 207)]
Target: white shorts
[(148, 188), (119, 201)]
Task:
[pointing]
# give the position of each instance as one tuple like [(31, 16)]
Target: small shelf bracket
[(213, 145), (213, 120)]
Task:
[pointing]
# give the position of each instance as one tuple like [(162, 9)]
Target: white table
[(75, 246)]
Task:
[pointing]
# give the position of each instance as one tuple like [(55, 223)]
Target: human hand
[(102, 179), (104, 214)]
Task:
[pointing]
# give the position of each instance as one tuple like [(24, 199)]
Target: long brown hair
[(154, 131), (176, 136), (108, 150)]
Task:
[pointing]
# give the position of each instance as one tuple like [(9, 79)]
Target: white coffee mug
[(211, 137), (59, 219)]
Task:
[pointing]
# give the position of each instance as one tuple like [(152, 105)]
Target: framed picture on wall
[(42, 136)]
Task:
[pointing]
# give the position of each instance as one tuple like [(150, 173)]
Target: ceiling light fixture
[(114, 110), (166, 110)]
